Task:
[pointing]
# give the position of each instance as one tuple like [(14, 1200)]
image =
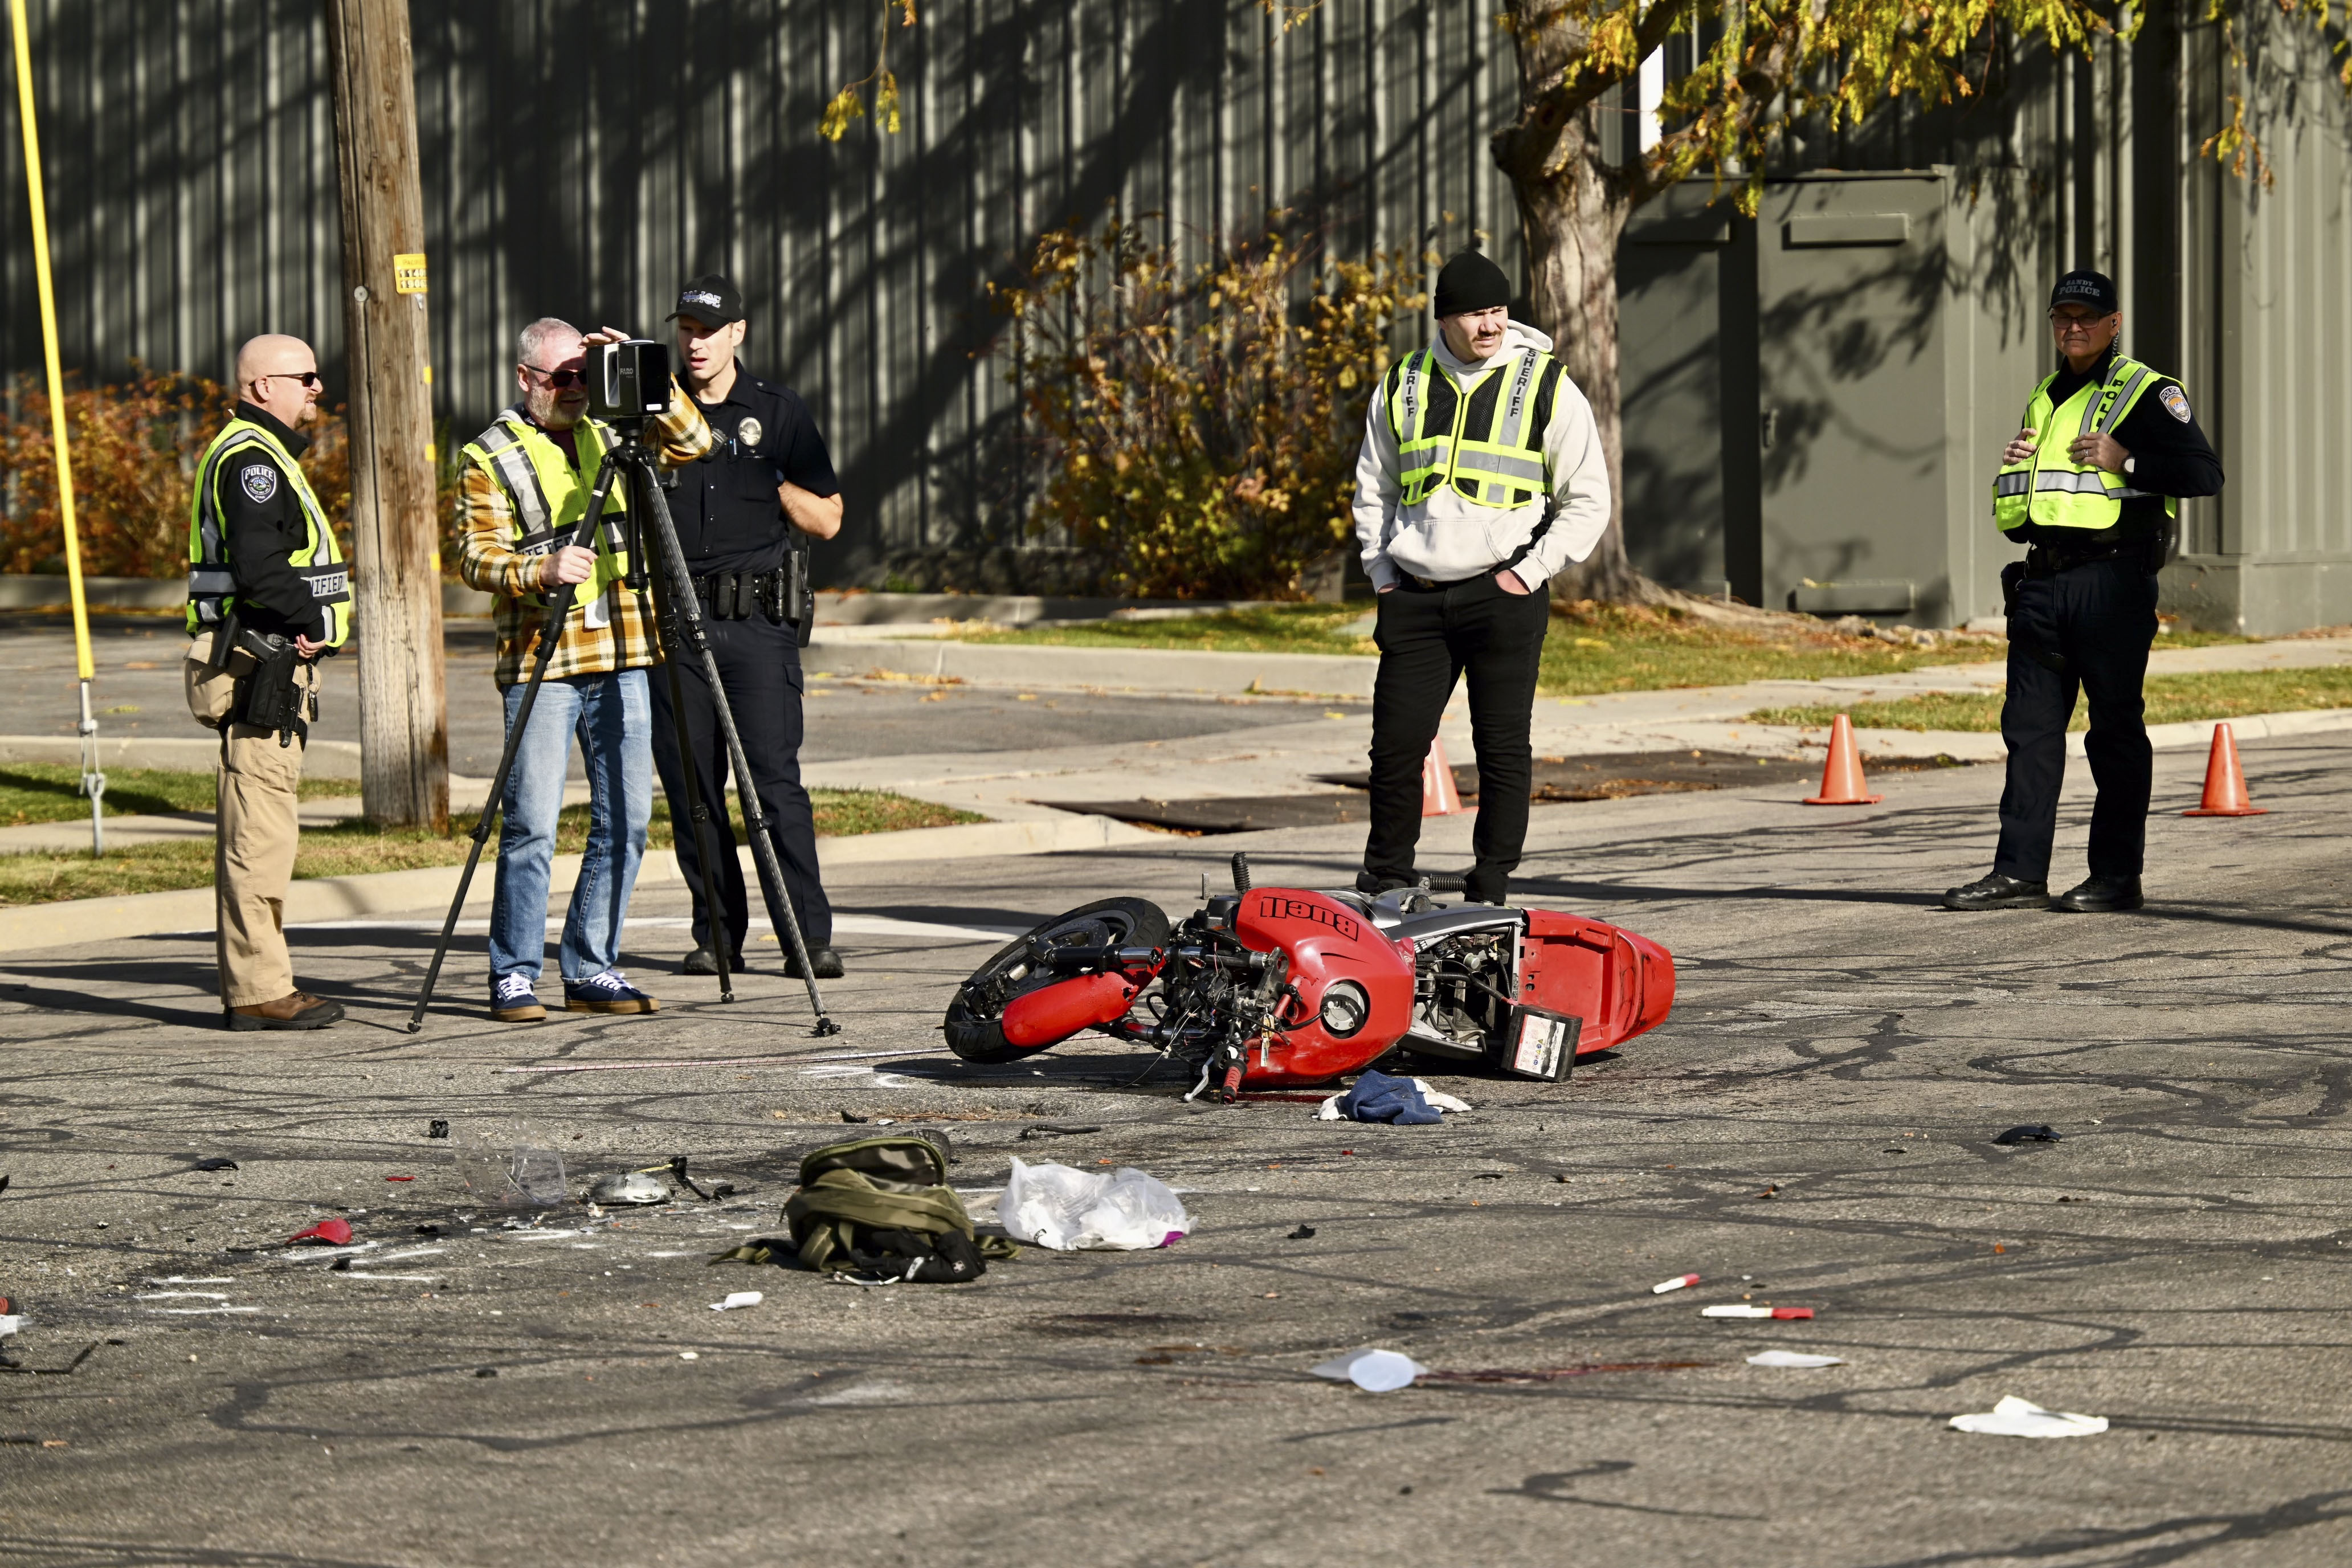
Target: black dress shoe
[(702, 961), (2100, 895), (1998, 892), (826, 962)]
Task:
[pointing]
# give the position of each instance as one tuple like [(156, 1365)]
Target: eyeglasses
[(560, 379), (2085, 322), (307, 377)]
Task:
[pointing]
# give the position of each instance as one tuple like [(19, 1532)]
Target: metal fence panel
[(580, 160)]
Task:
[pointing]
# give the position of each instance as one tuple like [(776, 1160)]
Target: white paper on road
[(2015, 1417), (738, 1299), (1793, 1358)]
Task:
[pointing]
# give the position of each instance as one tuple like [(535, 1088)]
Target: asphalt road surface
[(1813, 1126), (138, 692)]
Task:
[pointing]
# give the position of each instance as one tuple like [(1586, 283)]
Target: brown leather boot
[(296, 1010)]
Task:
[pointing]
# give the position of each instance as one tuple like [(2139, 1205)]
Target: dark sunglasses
[(560, 380), (307, 377)]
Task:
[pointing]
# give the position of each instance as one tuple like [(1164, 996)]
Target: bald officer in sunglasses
[(268, 596)]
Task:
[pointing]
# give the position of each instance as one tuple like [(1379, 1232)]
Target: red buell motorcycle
[(1270, 987)]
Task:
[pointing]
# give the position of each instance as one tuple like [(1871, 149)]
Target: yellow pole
[(93, 780)]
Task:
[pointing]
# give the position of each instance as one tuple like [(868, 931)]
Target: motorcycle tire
[(978, 1037)]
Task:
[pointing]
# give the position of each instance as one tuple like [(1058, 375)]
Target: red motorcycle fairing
[(1619, 984), (1056, 1012), (1328, 943)]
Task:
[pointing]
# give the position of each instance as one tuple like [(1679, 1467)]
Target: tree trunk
[(395, 559)]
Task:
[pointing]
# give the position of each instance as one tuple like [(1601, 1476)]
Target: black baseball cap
[(2095, 289), (710, 299)]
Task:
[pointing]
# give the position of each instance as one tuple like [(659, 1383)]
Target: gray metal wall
[(580, 159)]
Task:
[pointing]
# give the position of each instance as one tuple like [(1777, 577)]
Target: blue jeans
[(611, 716)]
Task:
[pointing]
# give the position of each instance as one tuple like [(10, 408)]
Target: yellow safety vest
[(1486, 441), (212, 584), (549, 496), (2050, 489)]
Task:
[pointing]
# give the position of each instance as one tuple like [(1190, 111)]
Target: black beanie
[(1471, 282)]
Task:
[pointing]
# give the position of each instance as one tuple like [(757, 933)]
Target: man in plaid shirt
[(525, 484)]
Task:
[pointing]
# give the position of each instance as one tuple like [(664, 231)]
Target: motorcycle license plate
[(1541, 1044)]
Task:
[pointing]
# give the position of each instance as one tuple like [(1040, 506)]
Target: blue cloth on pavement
[(1377, 1097)]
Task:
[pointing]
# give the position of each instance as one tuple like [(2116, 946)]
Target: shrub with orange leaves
[(1196, 426)]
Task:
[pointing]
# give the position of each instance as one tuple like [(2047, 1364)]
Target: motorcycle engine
[(1464, 991)]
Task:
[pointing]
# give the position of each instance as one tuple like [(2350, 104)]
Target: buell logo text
[(1270, 907)]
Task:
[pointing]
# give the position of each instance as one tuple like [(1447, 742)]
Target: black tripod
[(678, 614)]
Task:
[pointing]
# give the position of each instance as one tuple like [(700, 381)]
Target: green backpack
[(880, 1207)]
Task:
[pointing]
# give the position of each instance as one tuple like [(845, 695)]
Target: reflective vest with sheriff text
[(212, 583), (1485, 439)]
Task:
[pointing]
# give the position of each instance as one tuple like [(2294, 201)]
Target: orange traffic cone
[(2225, 781), (1438, 795), (1841, 781)]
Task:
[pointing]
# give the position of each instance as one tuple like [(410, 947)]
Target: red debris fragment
[(399, 1178), (333, 1232), (1788, 1312)]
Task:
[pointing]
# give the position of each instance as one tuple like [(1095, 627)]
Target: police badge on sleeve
[(2176, 403), (260, 483)]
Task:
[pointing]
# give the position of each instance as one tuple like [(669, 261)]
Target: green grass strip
[(2171, 699)]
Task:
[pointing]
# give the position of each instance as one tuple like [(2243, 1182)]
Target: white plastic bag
[(1062, 1209)]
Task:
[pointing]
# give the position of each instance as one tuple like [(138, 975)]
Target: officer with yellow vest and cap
[(268, 596), (2092, 487), (524, 488), (1481, 475)]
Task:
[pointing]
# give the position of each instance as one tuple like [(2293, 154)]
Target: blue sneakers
[(607, 993)]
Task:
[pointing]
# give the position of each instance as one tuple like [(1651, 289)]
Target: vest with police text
[(1485, 439), (2050, 489), (212, 583)]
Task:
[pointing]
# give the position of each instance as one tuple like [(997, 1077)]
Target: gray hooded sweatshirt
[(1446, 538)]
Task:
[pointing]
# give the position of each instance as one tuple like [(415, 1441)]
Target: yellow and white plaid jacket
[(490, 533)]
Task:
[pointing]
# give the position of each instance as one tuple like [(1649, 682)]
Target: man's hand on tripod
[(570, 564)]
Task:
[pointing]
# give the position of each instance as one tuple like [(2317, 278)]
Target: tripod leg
[(541, 657), (698, 810), (764, 847)]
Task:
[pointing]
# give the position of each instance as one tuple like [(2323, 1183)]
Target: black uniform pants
[(2100, 618), (759, 665), (1429, 639)]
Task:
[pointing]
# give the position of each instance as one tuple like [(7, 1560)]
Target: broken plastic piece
[(1679, 1282), (214, 1164), (1373, 1371), (2035, 1133), (333, 1232), (1735, 1309), (738, 1299), (1301, 1234), (2015, 1417), (678, 1170), (436, 1128), (10, 1324), (627, 1187), (1793, 1358), (399, 1178)]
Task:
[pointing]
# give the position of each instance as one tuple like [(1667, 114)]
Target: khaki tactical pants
[(258, 833)]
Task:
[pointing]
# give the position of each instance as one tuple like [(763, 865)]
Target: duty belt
[(734, 595), (2043, 559)]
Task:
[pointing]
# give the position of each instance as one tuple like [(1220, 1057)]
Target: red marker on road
[(1679, 1282)]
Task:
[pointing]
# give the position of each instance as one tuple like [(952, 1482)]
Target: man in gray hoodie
[(1481, 476)]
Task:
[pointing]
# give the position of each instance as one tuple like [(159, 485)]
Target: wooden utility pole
[(395, 555)]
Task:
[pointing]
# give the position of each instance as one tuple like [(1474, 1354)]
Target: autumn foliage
[(1195, 426)]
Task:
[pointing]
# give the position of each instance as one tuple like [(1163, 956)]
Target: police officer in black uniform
[(745, 514), (2090, 483)]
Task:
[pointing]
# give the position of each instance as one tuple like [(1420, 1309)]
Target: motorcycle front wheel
[(975, 1020)]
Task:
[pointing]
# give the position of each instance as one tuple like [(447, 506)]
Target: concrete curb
[(196, 753), (1099, 668), (74, 921)]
